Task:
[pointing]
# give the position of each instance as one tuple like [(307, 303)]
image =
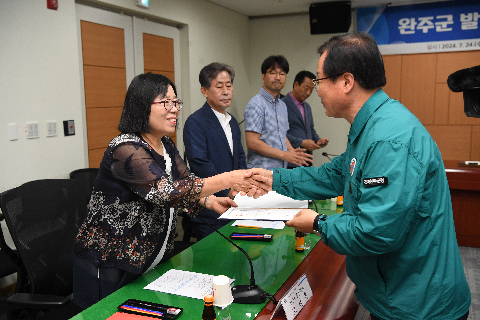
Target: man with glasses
[(212, 137), (300, 119), (266, 122), (396, 229)]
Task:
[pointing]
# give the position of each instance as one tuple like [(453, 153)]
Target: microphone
[(329, 154), (245, 293)]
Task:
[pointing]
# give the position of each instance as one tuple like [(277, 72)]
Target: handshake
[(254, 182)]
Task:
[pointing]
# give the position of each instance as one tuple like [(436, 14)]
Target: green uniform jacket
[(397, 227)]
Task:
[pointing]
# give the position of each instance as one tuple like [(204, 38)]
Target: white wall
[(290, 36), (39, 81)]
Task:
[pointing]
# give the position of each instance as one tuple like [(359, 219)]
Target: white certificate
[(272, 206)]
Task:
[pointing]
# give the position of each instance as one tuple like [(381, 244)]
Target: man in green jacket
[(397, 227)]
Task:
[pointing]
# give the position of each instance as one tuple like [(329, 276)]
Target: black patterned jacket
[(128, 216)]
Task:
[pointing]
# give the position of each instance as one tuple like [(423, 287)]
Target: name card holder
[(295, 298)]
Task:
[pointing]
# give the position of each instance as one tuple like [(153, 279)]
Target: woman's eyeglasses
[(169, 104)]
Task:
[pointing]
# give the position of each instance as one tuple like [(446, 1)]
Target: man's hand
[(322, 143), (298, 156), (310, 145), (262, 176), (303, 221), (244, 182)]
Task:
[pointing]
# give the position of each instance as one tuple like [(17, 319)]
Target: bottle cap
[(340, 201), (208, 298)]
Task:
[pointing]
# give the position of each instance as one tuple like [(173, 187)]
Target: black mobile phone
[(149, 309), (251, 236)]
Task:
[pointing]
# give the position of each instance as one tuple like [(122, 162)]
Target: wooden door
[(108, 44), (103, 51), (158, 58), (157, 50), (419, 81)]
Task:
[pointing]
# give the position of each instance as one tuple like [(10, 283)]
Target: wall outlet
[(51, 128), (31, 129), (12, 131)]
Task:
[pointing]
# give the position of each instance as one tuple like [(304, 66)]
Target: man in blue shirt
[(300, 119), (397, 229), (266, 122)]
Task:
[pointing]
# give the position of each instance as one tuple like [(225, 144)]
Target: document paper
[(183, 283), (258, 224), (272, 206)]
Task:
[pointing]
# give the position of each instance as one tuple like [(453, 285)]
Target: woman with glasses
[(142, 184)]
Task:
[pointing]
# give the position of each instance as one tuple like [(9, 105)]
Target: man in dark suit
[(212, 137), (301, 132)]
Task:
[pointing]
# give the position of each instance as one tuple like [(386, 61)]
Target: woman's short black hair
[(356, 53), (273, 61), (141, 92)]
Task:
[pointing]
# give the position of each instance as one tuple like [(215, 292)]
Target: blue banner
[(431, 24)]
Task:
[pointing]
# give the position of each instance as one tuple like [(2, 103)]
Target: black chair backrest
[(7, 266), (43, 218), (88, 176)]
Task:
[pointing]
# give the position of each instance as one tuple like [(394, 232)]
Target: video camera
[(468, 81)]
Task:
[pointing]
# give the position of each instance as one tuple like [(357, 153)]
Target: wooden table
[(464, 185), (333, 295)]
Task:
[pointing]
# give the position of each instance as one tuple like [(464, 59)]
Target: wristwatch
[(320, 217)]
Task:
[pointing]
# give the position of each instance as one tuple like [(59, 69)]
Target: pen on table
[(240, 235), (252, 227), (141, 310)]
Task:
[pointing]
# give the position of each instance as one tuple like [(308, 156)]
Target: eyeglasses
[(177, 103), (316, 82), (274, 73)]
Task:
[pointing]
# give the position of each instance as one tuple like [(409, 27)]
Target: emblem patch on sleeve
[(352, 166), (374, 182)]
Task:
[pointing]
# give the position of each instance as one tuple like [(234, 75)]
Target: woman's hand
[(248, 181), (262, 178), (218, 204), (243, 181)]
